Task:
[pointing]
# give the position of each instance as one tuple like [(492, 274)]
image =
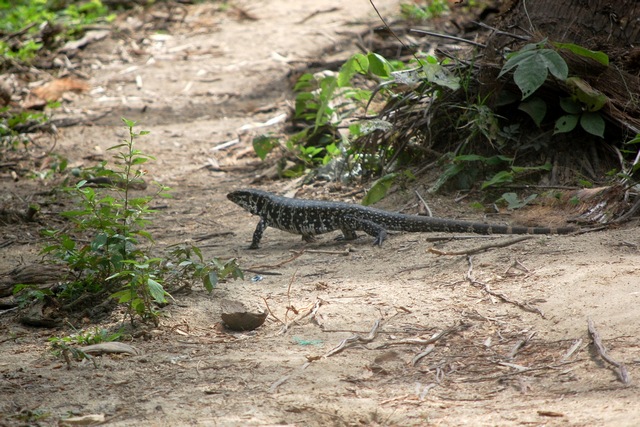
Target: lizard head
[(250, 200)]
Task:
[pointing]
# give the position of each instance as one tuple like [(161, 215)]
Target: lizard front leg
[(257, 235)]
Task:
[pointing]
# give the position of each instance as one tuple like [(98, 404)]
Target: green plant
[(66, 346), (25, 294), (14, 125), (26, 18), (185, 263), (114, 262), (514, 202), (420, 13), (532, 65)]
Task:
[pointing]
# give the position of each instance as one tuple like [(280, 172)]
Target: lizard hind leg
[(347, 234), (371, 228), (308, 238)]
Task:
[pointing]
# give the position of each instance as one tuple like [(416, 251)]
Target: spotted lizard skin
[(312, 217)]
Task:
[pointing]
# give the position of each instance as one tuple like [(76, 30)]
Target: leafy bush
[(113, 262)]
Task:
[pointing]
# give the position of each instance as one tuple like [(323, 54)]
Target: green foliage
[(532, 64), (596, 55), (25, 294), (514, 202), (13, 126), (186, 263), (325, 101), (379, 189), (421, 13), (29, 16), (113, 261), (66, 347), (468, 169), (592, 122), (94, 336)]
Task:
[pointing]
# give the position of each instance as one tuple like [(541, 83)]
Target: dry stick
[(317, 12), (289, 306), (271, 312), (430, 342), (280, 264), (501, 33), (622, 371), (345, 252), (426, 206), (571, 350), (311, 310), (355, 339), (446, 36), (485, 287), (481, 248)]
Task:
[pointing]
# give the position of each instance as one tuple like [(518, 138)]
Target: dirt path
[(505, 358)]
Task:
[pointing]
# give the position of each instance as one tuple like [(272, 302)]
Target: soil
[(431, 339)]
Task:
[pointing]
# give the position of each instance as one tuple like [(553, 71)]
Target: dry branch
[(621, 369), (485, 287), (481, 248), (355, 339)]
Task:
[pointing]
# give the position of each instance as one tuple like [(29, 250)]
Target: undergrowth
[(108, 250), (380, 119)]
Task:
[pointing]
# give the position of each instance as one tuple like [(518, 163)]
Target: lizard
[(312, 217)]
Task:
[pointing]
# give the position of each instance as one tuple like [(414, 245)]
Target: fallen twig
[(447, 36), (621, 369), (424, 203), (280, 264), (571, 350), (482, 248), (355, 339), (345, 252), (485, 287), (317, 12)]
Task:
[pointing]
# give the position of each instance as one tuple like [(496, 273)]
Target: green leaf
[(597, 55), (516, 59), (358, 63), (535, 107), (210, 281), (156, 290), (533, 66), (566, 123), (128, 123), (378, 65), (593, 123), (379, 189), (581, 90), (530, 77), (555, 63), (263, 145), (501, 177), (123, 296), (513, 202), (437, 74), (570, 106)]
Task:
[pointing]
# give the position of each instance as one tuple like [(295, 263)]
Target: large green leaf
[(535, 107), (597, 55), (156, 290), (593, 123), (379, 189), (593, 99), (532, 66), (566, 123)]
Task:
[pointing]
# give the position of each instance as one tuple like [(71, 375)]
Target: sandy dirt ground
[(498, 340)]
